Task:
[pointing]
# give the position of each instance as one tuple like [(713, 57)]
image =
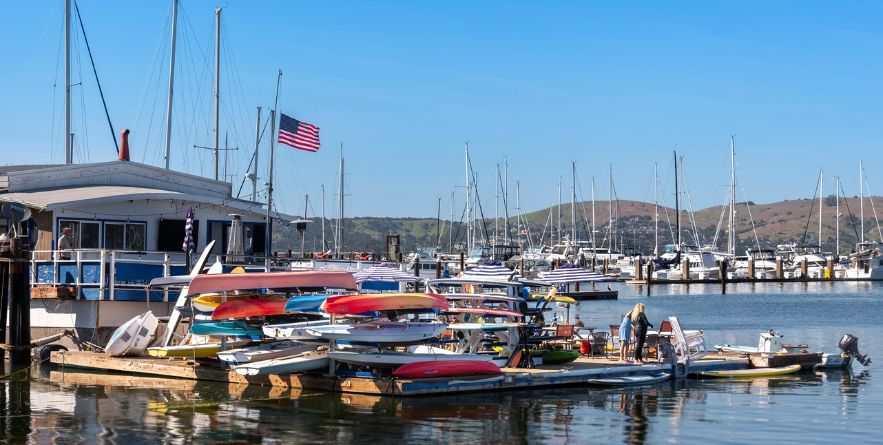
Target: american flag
[(297, 134)]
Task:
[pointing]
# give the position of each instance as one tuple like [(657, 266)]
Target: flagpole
[(268, 236)]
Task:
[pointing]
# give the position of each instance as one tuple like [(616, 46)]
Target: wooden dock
[(570, 374)]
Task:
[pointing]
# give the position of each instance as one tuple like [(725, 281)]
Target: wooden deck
[(574, 373)]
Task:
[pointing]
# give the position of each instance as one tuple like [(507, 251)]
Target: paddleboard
[(446, 368), (294, 331), (356, 304), (249, 307), (265, 351), (752, 372), (630, 380)]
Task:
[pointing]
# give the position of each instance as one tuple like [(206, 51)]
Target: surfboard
[(751, 372)]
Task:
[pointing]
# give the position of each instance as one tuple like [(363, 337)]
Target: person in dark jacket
[(639, 326)]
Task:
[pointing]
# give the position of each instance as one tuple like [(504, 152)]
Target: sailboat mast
[(573, 206), (837, 218), (340, 207), (218, 88), (257, 144), (677, 206), (559, 209), (497, 206), (68, 142), (469, 239), (438, 226), (731, 249), (172, 83), (861, 198), (821, 185), (506, 198), (518, 214), (610, 228), (655, 208), (451, 231), (592, 236), (323, 217), (268, 236)]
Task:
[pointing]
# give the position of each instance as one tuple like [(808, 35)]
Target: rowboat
[(293, 331), (307, 361), (751, 372), (390, 358), (249, 307), (630, 380), (379, 331), (133, 337), (235, 328), (359, 303), (446, 368), (264, 351)]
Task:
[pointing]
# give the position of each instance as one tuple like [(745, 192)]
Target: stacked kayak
[(393, 359), (307, 361), (265, 351), (249, 307), (379, 331), (235, 328), (359, 303)]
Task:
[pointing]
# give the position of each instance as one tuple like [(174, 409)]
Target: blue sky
[(404, 84)]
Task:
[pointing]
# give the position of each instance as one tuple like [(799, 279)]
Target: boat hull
[(308, 361), (265, 351), (446, 368)]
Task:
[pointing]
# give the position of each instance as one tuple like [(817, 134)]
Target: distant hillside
[(774, 223)]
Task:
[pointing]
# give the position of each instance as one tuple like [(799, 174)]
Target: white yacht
[(866, 262)]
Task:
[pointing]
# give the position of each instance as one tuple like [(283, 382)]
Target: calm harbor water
[(844, 407)]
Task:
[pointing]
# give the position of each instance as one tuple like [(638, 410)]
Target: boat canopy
[(491, 270), (564, 275), (385, 274), (271, 280)]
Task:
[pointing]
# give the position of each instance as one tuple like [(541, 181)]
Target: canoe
[(390, 358), (204, 350), (293, 331), (133, 336), (202, 284), (265, 351), (236, 328), (307, 361), (305, 303), (379, 331), (630, 380), (249, 307), (555, 357), (483, 311), (752, 372), (446, 368), (356, 304)]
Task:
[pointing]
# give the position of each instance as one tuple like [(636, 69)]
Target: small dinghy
[(751, 372), (264, 351), (556, 356), (307, 361), (630, 380), (133, 337)]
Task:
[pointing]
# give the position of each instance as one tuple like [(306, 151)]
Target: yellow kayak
[(198, 351), (208, 302), (751, 373), (555, 299)]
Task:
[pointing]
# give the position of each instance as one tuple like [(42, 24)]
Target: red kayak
[(249, 307), (446, 368), (356, 304), (483, 311)]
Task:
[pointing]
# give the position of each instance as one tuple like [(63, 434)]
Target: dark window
[(171, 235)]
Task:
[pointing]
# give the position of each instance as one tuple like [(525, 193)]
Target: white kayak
[(307, 361), (133, 337), (630, 380), (391, 358), (293, 331), (379, 332), (265, 351)]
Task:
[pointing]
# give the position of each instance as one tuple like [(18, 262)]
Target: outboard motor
[(849, 345)]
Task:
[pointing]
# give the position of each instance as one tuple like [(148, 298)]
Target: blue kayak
[(234, 328), (305, 303)]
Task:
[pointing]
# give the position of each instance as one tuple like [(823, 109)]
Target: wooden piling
[(438, 269), (685, 270), (751, 268), (4, 296), (521, 266), (804, 269), (779, 273), (606, 264), (417, 274), (829, 268), (639, 271), (19, 303), (722, 270), (462, 262)]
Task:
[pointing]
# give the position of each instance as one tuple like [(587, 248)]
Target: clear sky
[(404, 84)]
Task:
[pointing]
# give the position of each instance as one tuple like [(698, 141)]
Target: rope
[(27, 369)]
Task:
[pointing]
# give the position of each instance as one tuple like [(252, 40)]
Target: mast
[(837, 218), (506, 198), (438, 226), (172, 83), (68, 140), (340, 207), (573, 206), (323, 218), (610, 229), (861, 198), (655, 208), (518, 214), (559, 209), (451, 231), (469, 234), (821, 184), (592, 236), (677, 206), (732, 241), (257, 144), (268, 236), (496, 209), (218, 93)]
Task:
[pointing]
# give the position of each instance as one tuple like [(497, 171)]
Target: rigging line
[(54, 132), (871, 198), (809, 215), (851, 216), (83, 146), (149, 80), (690, 204), (748, 206), (97, 82)]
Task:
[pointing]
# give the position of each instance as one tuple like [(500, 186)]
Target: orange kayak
[(356, 304), (249, 307)]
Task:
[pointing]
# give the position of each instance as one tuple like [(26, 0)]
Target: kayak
[(556, 356), (307, 361), (378, 331), (483, 311), (446, 368), (630, 380), (204, 350), (305, 303), (208, 302), (264, 351), (356, 304), (293, 331), (483, 297), (555, 299), (236, 328), (752, 372), (391, 359), (249, 307)]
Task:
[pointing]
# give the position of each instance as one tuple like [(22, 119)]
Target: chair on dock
[(614, 337), (688, 345)]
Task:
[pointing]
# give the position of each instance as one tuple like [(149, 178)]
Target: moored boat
[(133, 337)]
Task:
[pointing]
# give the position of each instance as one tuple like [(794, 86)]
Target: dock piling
[(19, 302)]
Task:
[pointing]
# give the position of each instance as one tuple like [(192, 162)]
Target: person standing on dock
[(625, 336), (640, 325), (65, 242)]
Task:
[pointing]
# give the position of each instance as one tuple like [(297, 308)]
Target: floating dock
[(571, 374)]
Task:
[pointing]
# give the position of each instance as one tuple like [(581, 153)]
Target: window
[(85, 233), (124, 236), (171, 235)]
